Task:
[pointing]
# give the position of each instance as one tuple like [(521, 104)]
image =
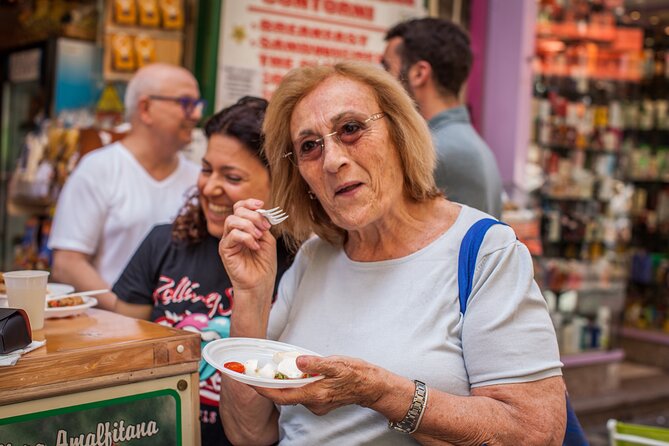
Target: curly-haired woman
[(176, 277)]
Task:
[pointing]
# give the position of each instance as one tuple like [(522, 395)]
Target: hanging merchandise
[(123, 52), (140, 32), (148, 13), (125, 12), (31, 180), (47, 157), (145, 50), (172, 14)]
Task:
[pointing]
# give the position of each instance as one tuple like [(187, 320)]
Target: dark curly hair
[(242, 121), (440, 42)]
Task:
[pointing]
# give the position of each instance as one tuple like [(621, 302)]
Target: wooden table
[(102, 375)]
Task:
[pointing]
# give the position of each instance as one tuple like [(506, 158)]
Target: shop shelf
[(649, 181), (162, 34), (592, 373), (646, 346), (569, 198), (576, 32), (648, 335), (569, 149), (592, 357)]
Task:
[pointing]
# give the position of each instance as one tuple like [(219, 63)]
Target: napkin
[(11, 358)]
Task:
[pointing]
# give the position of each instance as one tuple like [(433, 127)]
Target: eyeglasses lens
[(312, 150), (347, 133), (191, 105)]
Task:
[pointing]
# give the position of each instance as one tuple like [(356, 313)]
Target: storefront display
[(57, 77), (49, 155), (600, 135), (66, 86), (648, 170), (585, 71), (645, 335)]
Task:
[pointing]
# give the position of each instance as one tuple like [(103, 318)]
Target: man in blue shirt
[(431, 58)]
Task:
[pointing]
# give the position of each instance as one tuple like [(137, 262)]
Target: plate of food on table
[(65, 306), (259, 362)]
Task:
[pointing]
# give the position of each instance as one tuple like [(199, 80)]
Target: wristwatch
[(411, 420)]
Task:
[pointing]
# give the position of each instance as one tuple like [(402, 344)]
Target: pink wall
[(477, 31), (500, 93)]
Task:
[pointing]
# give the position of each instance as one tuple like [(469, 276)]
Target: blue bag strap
[(574, 435), (469, 249)]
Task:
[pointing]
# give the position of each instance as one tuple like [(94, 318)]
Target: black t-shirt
[(187, 286)]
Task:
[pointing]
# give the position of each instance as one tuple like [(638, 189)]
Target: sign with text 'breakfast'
[(261, 40)]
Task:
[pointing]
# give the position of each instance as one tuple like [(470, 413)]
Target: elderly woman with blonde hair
[(375, 290)]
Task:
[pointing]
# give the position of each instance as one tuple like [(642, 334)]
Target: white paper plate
[(57, 289), (220, 351), (52, 289), (74, 310)]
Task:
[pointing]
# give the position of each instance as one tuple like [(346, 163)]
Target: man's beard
[(404, 80)]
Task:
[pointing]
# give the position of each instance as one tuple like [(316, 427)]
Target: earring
[(312, 196)]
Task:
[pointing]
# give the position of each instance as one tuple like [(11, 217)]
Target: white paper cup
[(27, 290)]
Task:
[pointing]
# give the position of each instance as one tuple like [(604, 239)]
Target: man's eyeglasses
[(347, 133), (188, 105)]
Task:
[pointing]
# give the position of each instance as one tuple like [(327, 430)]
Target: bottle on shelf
[(590, 106)]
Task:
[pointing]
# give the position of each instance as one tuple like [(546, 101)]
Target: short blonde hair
[(407, 130)]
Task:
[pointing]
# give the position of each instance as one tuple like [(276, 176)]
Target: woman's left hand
[(347, 381), (523, 413)]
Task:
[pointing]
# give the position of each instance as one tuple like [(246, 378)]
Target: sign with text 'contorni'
[(261, 40)]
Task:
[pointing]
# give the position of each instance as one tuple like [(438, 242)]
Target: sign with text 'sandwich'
[(261, 40)]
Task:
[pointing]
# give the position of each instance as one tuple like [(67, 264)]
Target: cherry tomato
[(234, 366)]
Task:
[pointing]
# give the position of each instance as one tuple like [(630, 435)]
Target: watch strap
[(412, 419)]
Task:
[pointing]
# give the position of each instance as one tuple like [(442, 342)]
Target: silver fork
[(274, 216)]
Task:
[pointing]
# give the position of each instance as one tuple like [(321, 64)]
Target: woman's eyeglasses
[(347, 133), (188, 105)]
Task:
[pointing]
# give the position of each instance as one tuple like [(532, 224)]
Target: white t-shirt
[(109, 204), (404, 315)]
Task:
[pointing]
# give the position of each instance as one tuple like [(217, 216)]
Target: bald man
[(118, 192)]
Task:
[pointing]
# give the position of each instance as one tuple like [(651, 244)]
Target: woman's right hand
[(248, 249), (248, 252)]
